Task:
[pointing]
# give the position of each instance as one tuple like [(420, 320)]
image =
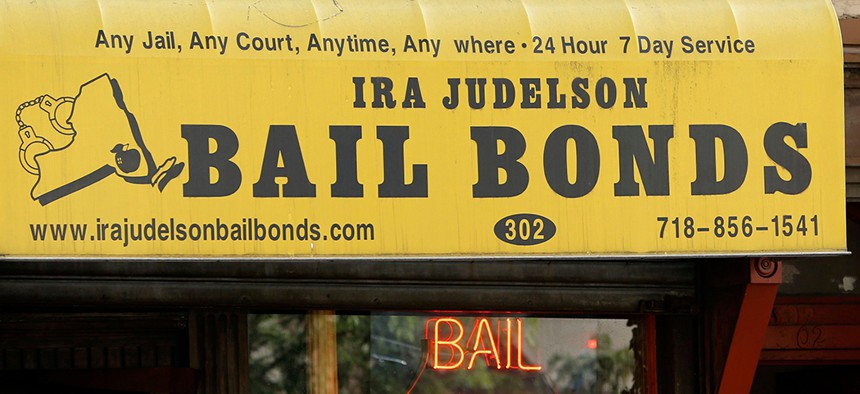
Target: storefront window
[(833, 276), (444, 353), (278, 353)]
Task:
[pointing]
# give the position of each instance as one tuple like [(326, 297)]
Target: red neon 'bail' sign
[(500, 349)]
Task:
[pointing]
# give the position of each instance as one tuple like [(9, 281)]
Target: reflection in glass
[(398, 353), (277, 354)]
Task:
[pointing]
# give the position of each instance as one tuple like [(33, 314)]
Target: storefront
[(336, 196)]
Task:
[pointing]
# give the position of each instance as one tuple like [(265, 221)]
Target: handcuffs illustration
[(33, 145)]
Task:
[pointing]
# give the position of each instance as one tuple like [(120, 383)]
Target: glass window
[(444, 353), (824, 276), (278, 353)]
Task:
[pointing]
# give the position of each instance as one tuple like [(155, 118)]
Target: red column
[(748, 337)]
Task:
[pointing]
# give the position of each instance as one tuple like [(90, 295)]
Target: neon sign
[(501, 348)]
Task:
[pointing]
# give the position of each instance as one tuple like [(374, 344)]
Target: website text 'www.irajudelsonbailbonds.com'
[(249, 229)]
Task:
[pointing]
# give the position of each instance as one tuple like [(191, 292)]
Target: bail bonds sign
[(407, 129)]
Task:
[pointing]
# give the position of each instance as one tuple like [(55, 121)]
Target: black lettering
[(632, 146), (785, 156), (358, 82), (581, 98), (635, 89), (101, 39), (283, 144), (477, 93), (453, 100), (605, 92), (490, 161), (394, 177), (555, 100), (302, 230), (200, 160), (345, 139), (531, 97), (382, 90), (504, 93), (555, 156), (413, 97), (735, 159)]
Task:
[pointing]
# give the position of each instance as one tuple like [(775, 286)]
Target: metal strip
[(624, 257)]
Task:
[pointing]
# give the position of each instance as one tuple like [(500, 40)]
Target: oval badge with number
[(524, 229)]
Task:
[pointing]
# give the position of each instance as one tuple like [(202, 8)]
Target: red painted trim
[(783, 300), (748, 338), (810, 357), (813, 331), (649, 332), (813, 337), (816, 315), (804, 363)]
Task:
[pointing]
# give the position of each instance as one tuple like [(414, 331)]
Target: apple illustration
[(128, 160)]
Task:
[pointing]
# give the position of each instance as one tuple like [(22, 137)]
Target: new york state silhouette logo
[(70, 143)]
